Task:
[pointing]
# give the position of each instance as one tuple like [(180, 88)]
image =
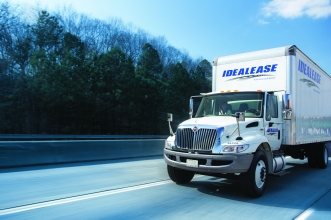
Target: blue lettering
[(234, 72), (267, 68), (272, 130), (259, 69), (273, 68), (301, 67), (308, 71), (229, 73), (317, 77), (253, 70)]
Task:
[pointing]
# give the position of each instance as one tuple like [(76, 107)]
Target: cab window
[(272, 108)]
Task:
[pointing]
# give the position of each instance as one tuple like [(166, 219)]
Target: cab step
[(280, 173)]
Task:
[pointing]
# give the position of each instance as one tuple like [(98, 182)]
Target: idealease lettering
[(308, 71), (250, 70)]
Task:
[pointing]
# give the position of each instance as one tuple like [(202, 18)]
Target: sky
[(212, 28)]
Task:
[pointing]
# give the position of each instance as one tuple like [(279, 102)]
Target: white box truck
[(264, 106)]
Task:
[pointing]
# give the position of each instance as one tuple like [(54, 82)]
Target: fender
[(255, 139)]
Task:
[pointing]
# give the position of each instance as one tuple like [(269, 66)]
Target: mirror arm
[(169, 120), (240, 116)]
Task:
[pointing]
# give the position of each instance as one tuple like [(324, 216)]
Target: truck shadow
[(297, 190)]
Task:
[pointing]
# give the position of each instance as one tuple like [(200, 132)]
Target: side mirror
[(240, 116), (169, 117), (191, 108), (286, 101), (287, 112)]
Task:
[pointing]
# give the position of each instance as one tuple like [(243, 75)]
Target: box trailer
[(264, 105)]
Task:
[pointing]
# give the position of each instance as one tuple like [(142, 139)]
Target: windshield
[(225, 104)]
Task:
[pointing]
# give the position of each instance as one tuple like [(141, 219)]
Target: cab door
[(273, 121)]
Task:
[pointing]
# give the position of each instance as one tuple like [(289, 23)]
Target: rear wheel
[(318, 156), (179, 176), (322, 156), (254, 181)]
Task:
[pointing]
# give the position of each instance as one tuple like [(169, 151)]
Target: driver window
[(272, 109)]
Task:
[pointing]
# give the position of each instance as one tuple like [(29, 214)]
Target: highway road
[(140, 189)]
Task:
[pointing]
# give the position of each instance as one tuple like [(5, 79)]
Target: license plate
[(191, 163)]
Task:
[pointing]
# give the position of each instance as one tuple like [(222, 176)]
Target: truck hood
[(215, 121)]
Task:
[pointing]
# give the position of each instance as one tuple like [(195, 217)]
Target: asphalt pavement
[(140, 189)]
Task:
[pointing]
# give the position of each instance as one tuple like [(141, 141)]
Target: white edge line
[(79, 198), (304, 215)]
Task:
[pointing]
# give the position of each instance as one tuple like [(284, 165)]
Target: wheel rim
[(260, 174)]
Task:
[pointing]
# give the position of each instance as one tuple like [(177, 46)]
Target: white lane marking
[(304, 215), (79, 198)]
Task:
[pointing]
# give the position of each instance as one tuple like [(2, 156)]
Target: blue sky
[(215, 28)]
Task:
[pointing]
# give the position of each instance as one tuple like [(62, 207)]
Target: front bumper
[(209, 163)]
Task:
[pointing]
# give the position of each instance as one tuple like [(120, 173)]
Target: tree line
[(67, 73)]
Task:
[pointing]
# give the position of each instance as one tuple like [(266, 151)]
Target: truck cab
[(217, 143)]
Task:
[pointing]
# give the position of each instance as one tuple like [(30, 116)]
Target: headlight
[(235, 148), (170, 142), (167, 144)]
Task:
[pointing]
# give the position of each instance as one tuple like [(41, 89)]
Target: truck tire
[(318, 156), (179, 176), (322, 157), (254, 181)]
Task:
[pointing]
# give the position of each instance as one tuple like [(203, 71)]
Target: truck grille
[(203, 139)]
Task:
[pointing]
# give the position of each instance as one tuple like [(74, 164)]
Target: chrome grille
[(203, 139)]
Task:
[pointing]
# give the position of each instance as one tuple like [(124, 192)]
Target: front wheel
[(254, 181), (180, 176)]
